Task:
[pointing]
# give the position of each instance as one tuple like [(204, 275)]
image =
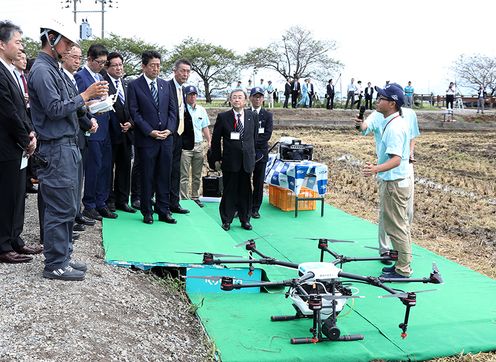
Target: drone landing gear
[(321, 331)]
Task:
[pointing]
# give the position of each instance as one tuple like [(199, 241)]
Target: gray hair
[(238, 90), (7, 30)]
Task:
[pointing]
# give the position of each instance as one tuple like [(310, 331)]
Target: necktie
[(180, 126), (120, 94), (153, 89), (75, 83), (239, 125), (24, 83)]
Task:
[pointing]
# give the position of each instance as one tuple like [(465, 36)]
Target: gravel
[(115, 314)]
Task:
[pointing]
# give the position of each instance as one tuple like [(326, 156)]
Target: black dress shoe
[(167, 218), (246, 225), (125, 207), (199, 203), (179, 210), (83, 220), (111, 206), (136, 204), (12, 257), (30, 250), (78, 227), (105, 212), (148, 219), (255, 215), (92, 214), (226, 226)]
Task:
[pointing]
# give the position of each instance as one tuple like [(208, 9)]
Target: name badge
[(261, 130), (235, 135)]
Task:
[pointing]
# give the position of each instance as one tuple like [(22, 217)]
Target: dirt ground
[(455, 189)]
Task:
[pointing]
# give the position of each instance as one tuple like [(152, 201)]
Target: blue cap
[(257, 90), (394, 92), (190, 89)]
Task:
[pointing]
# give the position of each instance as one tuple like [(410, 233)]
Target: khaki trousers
[(191, 159), (394, 196)]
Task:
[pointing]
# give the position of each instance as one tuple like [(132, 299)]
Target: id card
[(235, 135), (261, 130)]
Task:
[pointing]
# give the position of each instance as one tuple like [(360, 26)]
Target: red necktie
[(24, 83)]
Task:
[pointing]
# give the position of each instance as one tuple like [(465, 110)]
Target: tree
[(475, 70), (31, 47), (217, 67), (129, 48), (297, 54)]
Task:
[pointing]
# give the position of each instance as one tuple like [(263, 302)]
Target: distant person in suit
[(121, 136), (295, 92), (369, 94), (98, 162), (265, 125), (330, 95), (350, 93), (182, 70), (233, 151), (154, 113), (17, 142), (287, 92), (311, 93)]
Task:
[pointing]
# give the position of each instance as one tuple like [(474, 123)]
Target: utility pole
[(111, 4)]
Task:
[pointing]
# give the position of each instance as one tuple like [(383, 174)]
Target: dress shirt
[(96, 76), (200, 120)]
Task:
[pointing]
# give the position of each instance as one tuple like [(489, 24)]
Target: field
[(455, 188)]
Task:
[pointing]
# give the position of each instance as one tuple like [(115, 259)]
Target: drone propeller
[(216, 278), (400, 252), (250, 240), (434, 268), (199, 253), (329, 240), (406, 294)]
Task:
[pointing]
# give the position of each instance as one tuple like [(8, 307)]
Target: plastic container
[(284, 199)]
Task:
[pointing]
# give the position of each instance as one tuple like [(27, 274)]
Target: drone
[(321, 290)]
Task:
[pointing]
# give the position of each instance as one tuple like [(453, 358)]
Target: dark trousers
[(155, 168), (294, 99), (236, 196), (359, 101), (12, 202), (175, 185), (286, 99), (258, 184), (135, 178), (368, 102), (120, 179), (97, 169), (59, 191), (330, 101), (350, 97)]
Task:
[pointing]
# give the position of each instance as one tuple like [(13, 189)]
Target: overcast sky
[(415, 40)]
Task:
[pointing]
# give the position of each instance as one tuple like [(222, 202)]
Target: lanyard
[(387, 124)]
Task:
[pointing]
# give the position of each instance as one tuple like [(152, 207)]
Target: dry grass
[(455, 192)]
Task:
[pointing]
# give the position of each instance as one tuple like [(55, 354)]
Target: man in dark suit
[(287, 92), (311, 92), (236, 130), (295, 91), (265, 125), (98, 163), (17, 140), (154, 112), (369, 93), (182, 70), (330, 95), (121, 135)]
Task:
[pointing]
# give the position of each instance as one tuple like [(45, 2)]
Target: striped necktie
[(153, 89), (120, 94), (180, 100), (239, 126)]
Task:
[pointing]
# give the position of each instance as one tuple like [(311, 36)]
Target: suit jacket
[(15, 124), (188, 135), (120, 116), (265, 121), (147, 116), (298, 88), (330, 90), (369, 93), (287, 89), (235, 154), (84, 79), (84, 118)]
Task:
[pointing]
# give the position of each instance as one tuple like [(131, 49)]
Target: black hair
[(96, 50), (148, 55), (181, 61), (7, 30), (114, 55)]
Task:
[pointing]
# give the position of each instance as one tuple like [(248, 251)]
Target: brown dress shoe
[(12, 257), (30, 250)]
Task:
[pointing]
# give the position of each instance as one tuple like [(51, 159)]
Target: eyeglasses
[(75, 57), (100, 62)]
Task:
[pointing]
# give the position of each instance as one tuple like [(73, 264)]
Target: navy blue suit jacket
[(145, 113), (84, 79)]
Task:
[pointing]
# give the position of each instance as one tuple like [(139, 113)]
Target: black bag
[(212, 185)]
